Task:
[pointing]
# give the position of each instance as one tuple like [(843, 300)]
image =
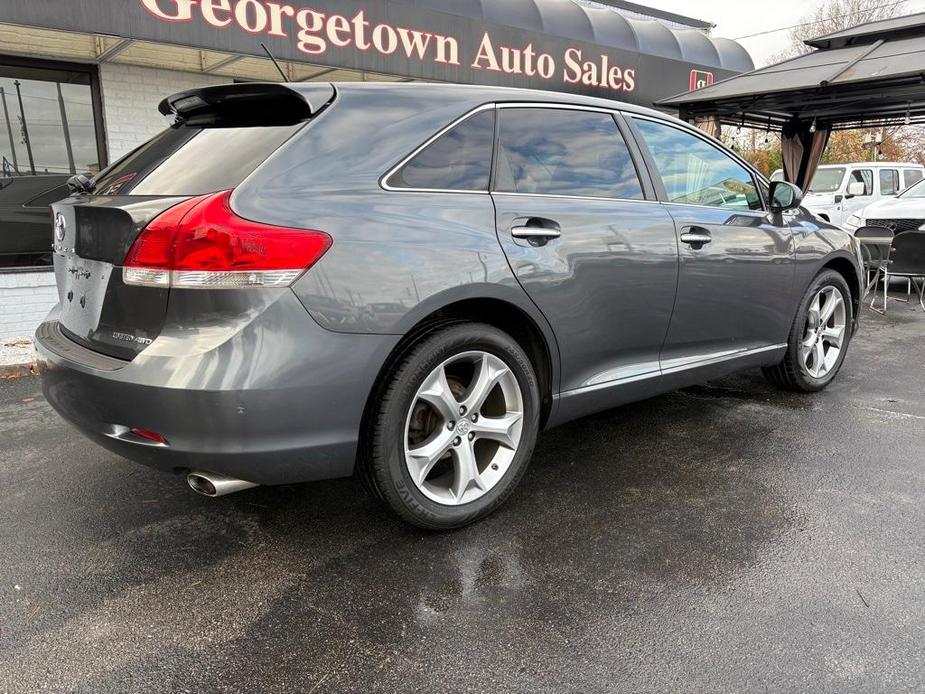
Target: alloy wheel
[(824, 334), (463, 428)]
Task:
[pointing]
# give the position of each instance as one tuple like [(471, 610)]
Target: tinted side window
[(865, 176), (889, 181), (697, 173), (911, 176), (460, 159), (563, 152)]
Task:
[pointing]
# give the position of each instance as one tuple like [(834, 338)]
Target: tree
[(836, 15)]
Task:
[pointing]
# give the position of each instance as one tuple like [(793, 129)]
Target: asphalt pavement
[(726, 538)]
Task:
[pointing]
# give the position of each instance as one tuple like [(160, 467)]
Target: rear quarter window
[(193, 161), (458, 160)]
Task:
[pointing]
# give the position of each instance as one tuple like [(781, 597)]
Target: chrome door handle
[(696, 237), (534, 233)]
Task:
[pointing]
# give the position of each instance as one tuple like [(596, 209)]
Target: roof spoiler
[(249, 104)]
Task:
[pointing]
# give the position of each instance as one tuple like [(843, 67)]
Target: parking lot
[(725, 538)]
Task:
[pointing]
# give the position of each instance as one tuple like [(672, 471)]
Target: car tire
[(408, 416), (808, 365)]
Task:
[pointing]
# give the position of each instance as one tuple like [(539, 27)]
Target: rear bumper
[(272, 399)]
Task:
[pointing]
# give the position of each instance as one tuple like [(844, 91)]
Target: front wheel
[(454, 427), (819, 337)]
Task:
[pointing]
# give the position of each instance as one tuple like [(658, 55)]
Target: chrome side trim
[(383, 181), (678, 366), (611, 384), (757, 214), (573, 197), (433, 190), (557, 105)]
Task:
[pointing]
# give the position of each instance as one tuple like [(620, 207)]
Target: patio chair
[(876, 244), (908, 261)]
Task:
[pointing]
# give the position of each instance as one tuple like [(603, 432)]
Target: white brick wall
[(130, 98), (25, 299)]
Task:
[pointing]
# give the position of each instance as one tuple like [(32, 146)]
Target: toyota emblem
[(60, 226)]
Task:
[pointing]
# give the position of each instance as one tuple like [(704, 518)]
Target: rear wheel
[(454, 427), (818, 338)]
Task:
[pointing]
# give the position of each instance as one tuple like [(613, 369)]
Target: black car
[(25, 231)]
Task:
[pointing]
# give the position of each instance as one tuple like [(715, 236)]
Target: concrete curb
[(17, 359)]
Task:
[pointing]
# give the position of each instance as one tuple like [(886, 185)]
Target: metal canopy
[(868, 76), (603, 26)]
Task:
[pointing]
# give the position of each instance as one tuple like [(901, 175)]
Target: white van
[(840, 190)]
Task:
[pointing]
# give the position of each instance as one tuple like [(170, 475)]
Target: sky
[(733, 21)]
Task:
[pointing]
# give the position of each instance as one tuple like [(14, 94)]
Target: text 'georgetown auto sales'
[(316, 32)]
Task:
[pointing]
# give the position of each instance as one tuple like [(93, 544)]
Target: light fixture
[(812, 127)]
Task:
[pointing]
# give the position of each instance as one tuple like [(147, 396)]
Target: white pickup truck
[(839, 190)]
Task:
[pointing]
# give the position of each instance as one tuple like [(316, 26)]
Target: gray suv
[(410, 281)]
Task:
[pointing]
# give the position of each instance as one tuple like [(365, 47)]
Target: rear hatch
[(221, 135)]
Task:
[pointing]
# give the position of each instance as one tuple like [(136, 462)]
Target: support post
[(9, 130), (25, 127), (67, 131)]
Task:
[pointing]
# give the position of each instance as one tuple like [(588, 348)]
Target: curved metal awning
[(603, 26), (585, 47), (868, 76)]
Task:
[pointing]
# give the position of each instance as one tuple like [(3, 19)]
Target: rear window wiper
[(80, 184)]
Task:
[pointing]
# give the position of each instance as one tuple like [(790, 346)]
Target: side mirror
[(855, 188), (785, 196)]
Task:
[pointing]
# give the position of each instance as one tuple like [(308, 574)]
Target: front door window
[(695, 172)]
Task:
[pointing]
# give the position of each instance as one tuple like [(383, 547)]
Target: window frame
[(648, 192), (384, 179), (874, 180), (96, 93), (657, 177), (897, 180)]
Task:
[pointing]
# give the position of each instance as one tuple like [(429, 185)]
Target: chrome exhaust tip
[(210, 484)]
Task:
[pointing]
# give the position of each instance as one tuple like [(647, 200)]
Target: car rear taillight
[(202, 244)]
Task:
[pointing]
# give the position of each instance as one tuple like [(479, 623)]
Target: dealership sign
[(315, 32), (392, 37)]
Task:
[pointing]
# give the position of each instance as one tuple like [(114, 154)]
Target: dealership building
[(80, 80)]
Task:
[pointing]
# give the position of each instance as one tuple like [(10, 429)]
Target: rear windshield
[(193, 161)]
